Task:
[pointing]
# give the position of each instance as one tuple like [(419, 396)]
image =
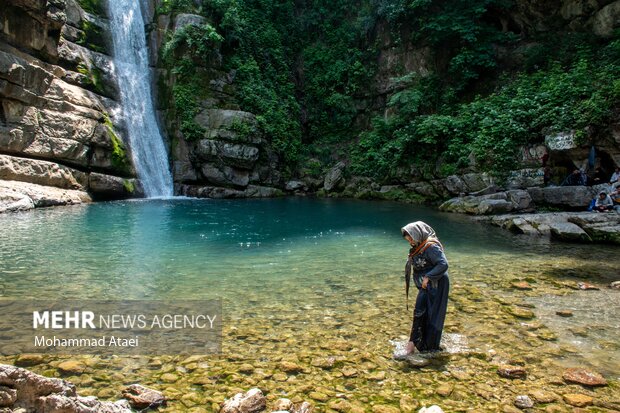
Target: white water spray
[(132, 70)]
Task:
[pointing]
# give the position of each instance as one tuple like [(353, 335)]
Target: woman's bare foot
[(410, 348)]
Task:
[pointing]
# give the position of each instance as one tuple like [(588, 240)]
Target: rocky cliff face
[(59, 116), (226, 156), (61, 126)]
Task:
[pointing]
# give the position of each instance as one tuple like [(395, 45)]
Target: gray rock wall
[(58, 108)]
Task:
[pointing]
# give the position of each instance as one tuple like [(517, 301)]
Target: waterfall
[(132, 70)]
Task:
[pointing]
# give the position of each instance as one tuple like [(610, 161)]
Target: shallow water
[(319, 283)]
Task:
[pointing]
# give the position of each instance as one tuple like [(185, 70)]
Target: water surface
[(303, 279)]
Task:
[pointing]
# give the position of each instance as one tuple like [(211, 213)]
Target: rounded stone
[(584, 377), (578, 400), (71, 367), (524, 402)]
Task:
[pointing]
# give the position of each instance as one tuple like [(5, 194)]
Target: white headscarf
[(420, 231)]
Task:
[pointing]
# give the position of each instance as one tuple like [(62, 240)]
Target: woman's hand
[(424, 282)]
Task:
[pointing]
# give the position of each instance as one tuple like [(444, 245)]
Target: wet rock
[(564, 313), (578, 400), (246, 368), (283, 404), (340, 405), (42, 394), (349, 372), (585, 286), (408, 404), (521, 285), (252, 401), (169, 377), (8, 396), (521, 312), (432, 409), (384, 408), (334, 177), (64, 404), (141, 397), (584, 377), (290, 367), (377, 376), (542, 396), (579, 331), (318, 396), (27, 360), (417, 361), (567, 231), (279, 377), (554, 408), (523, 402), (512, 372), (71, 367), (304, 407), (445, 390)]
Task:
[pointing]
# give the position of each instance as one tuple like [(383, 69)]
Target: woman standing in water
[(429, 265)]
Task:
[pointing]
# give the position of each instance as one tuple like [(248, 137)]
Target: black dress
[(431, 303)]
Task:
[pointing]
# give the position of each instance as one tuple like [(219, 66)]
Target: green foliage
[(183, 51), (129, 186), (177, 6), (555, 98), (455, 30), (191, 45), (92, 37), (120, 161), (93, 75), (93, 7), (186, 108)]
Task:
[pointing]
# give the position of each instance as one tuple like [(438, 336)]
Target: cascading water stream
[(132, 70)]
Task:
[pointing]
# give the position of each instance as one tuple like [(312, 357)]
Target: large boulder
[(564, 226), (13, 168), (606, 20), (601, 227), (22, 389), (225, 175), (569, 197), (22, 196), (103, 186), (567, 231), (334, 177), (491, 204), (494, 206), (232, 154)]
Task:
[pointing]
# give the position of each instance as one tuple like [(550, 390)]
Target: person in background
[(603, 203), (615, 197), (615, 177), (428, 265), (547, 175), (576, 178)]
